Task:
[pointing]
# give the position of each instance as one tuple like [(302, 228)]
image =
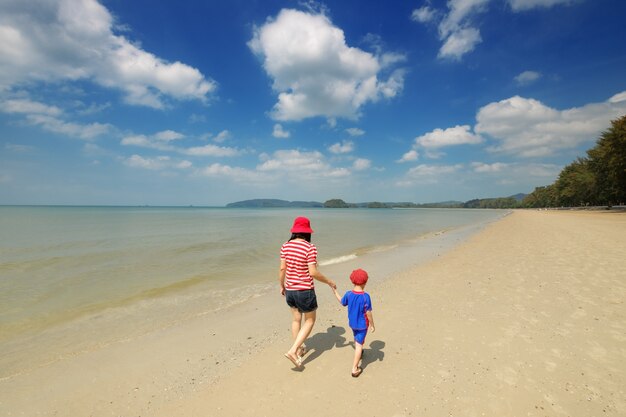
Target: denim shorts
[(305, 301)]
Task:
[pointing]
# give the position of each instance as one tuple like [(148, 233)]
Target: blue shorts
[(359, 335), (305, 300)]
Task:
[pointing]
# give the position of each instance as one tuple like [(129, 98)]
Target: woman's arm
[(315, 273), (281, 275)]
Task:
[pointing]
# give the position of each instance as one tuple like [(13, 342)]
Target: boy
[(359, 314)]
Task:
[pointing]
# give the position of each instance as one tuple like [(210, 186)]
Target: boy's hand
[(372, 328)]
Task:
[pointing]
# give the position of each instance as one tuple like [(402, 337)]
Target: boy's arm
[(370, 318), (337, 295)]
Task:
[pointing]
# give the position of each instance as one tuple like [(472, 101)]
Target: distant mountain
[(273, 203)]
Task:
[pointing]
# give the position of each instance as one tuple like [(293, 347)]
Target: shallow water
[(75, 278)]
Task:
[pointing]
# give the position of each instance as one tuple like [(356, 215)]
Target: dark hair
[(305, 236)]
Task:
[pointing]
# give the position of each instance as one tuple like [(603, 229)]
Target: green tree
[(607, 161), (576, 185)]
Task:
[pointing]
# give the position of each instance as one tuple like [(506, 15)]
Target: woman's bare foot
[(294, 359)]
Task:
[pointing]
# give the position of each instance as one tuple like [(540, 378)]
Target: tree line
[(599, 179)]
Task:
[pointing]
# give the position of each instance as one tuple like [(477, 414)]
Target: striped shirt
[(298, 254)]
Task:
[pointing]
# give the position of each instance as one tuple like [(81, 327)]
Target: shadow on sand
[(322, 342)]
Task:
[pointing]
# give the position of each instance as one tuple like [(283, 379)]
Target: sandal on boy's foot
[(357, 373), (296, 361)]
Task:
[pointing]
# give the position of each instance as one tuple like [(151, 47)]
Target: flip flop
[(357, 373), (302, 350), (296, 361)]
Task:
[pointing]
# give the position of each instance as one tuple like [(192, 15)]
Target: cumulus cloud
[(527, 77), (223, 136), (344, 147), (67, 40), (528, 128), (432, 141), (279, 132), (315, 72)]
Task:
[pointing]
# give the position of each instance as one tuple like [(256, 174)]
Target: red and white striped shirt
[(298, 254)]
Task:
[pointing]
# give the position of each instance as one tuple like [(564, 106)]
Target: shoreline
[(192, 368)]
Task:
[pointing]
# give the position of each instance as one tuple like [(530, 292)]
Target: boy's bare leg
[(358, 352)]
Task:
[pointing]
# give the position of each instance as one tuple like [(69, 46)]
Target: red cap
[(301, 225), (358, 277)]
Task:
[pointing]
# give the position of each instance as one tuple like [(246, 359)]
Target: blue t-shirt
[(358, 304)]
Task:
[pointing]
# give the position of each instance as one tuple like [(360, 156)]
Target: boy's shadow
[(373, 354), (322, 342)]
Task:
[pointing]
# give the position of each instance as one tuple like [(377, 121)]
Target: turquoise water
[(88, 269)]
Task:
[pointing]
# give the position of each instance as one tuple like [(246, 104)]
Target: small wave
[(339, 260)]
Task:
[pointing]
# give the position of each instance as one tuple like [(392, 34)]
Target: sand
[(525, 318)]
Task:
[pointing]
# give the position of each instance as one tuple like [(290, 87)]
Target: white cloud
[(77, 130), (49, 118), (161, 141), (210, 150), (424, 14), (168, 136), (527, 77), (428, 174), (482, 167), (458, 135), (300, 165), (67, 40), (315, 72), (355, 131), (361, 164), (409, 156), (521, 5), (344, 147), (157, 164), (227, 171), (457, 27), (279, 132), (26, 106), (529, 128), (460, 42), (223, 136)]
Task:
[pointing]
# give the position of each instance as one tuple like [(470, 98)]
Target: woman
[(298, 268)]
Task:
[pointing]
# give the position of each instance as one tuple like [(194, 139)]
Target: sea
[(73, 279)]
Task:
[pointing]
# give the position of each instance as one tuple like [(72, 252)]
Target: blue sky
[(208, 102)]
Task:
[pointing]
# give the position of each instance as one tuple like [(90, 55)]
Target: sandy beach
[(525, 318)]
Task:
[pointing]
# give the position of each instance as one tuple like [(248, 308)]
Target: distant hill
[(275, 203), (500, 202)]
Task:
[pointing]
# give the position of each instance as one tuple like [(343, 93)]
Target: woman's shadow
[(322, 342)]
